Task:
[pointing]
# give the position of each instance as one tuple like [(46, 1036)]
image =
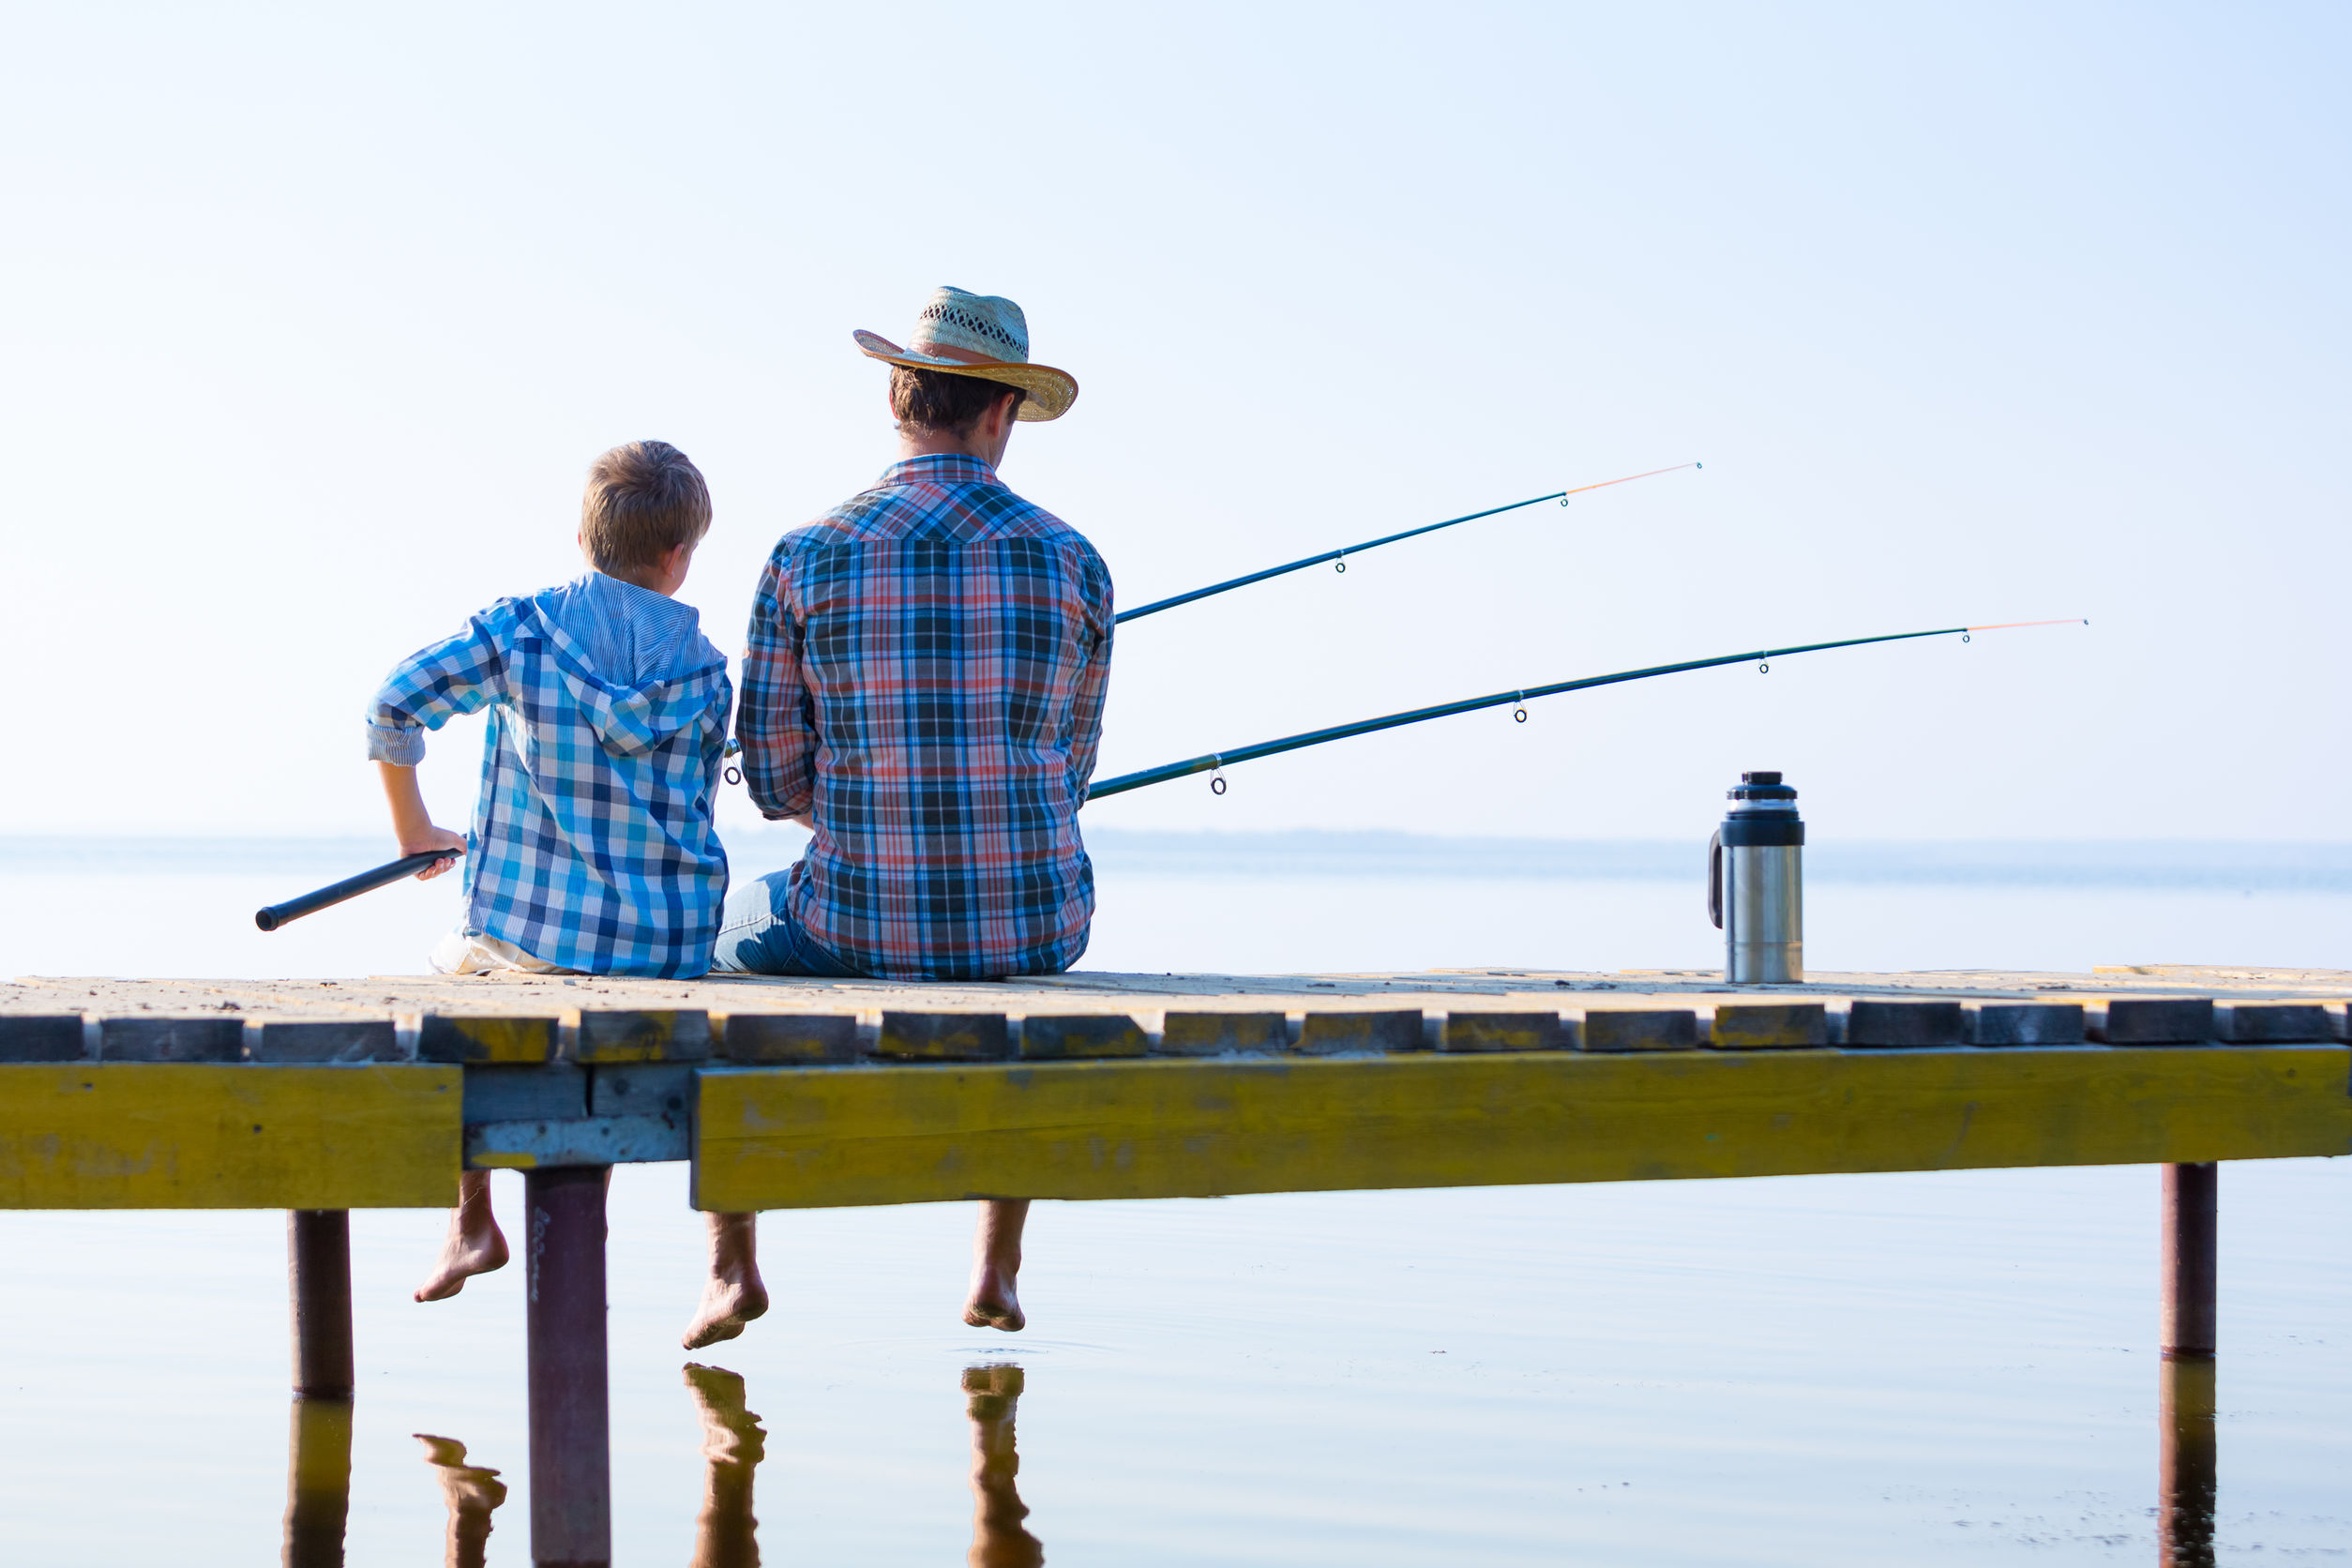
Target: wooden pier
[(323, 1096)]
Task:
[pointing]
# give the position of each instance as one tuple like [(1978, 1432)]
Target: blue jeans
[(758, 935)]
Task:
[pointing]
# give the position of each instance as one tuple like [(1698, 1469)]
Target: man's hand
[(413, 824)]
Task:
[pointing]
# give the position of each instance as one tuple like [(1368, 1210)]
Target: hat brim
[(1050, 391)]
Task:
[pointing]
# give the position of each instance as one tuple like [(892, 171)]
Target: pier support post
[(317, 1286), (2187, 1322), (571, 1450), (2186, 1451)]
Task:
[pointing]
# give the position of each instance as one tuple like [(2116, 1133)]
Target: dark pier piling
[(317, 1286), (571, 1451), (2186, 1458)]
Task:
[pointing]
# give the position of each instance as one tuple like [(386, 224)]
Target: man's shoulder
[(888, 513)]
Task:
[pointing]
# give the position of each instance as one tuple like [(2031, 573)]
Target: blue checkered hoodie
[(593, 844)]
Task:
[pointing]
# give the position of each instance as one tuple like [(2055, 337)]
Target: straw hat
[(982, 335)]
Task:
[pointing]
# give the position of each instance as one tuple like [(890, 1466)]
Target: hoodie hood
[(634, 662)]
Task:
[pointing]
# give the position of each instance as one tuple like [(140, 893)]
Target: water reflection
[(726, 1534), (2185, 1462), (472, 1491), (998, 1538), (318, 1483)]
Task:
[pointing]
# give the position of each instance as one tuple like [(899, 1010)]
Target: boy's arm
[(413, 824), (460, 674), (775, 721)]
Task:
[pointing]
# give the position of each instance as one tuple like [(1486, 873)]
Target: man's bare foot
[(474, 1245), (734, 1294), (996, 1265), (995, 1302), (728, 1304)]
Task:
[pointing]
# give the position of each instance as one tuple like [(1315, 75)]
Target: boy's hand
[(434, 838), (412, 824)]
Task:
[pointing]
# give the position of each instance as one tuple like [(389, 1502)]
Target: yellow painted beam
[(811, 1138), (158, 1136)]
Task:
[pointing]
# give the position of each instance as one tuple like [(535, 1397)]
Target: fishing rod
[(350, 887), (1215, 761), (1341, 554)]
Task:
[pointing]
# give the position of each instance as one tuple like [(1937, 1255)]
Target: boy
[(593, 849)]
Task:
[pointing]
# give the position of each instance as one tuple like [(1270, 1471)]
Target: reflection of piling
[(998, 1537), (571, 1459), (2185, 1461), (318, 1483), (318, 1284)]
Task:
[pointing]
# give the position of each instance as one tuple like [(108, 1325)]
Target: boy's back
[(593, 847)]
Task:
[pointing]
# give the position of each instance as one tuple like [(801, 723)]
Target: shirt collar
[(940, 468)]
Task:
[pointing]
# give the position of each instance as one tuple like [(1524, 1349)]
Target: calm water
[(1815, 1370)]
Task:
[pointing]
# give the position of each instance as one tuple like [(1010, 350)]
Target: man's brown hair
[(644, 500), (943, 402)]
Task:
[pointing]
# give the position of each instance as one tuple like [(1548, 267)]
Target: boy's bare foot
[(734, 1294), (474, 1245), (996, 1265)]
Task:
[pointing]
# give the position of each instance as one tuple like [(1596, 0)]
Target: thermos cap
[(1760, 786)]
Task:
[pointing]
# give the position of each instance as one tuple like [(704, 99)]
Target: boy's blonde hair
[(644, 500)]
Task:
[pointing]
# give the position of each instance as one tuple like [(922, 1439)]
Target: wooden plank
[(1188, 1034), (1872, 1022), (787, 1138), (943, 1037), (1327, 1034), (42, 1037), (1639, 1029), (1769, 1025), (2029, 1023), (2149, 1021), (600, 1140), (512, 1042), (614, 1035), (169, 1039), (1080, 1036), (1486, 1032), (2270, 1022), (757, 1039), (186, 1136), (317, 1040)]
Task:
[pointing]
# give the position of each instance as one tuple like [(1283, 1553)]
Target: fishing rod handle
[(269, 919)]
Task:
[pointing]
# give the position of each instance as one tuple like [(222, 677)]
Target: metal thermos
[(1755, 883)]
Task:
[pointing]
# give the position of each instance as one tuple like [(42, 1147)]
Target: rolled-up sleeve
[(777, 718), (460, 674)]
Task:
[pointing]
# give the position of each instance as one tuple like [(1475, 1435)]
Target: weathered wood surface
[(191, 1135), (787, 1138), (1112, 1085), (529, 1018)]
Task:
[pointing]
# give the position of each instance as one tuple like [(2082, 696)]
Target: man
[(923, 690)]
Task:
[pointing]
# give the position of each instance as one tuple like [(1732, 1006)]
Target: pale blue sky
[(311, 322)]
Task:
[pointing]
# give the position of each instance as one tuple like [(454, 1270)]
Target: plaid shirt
[(924, 676), (593, 845)]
